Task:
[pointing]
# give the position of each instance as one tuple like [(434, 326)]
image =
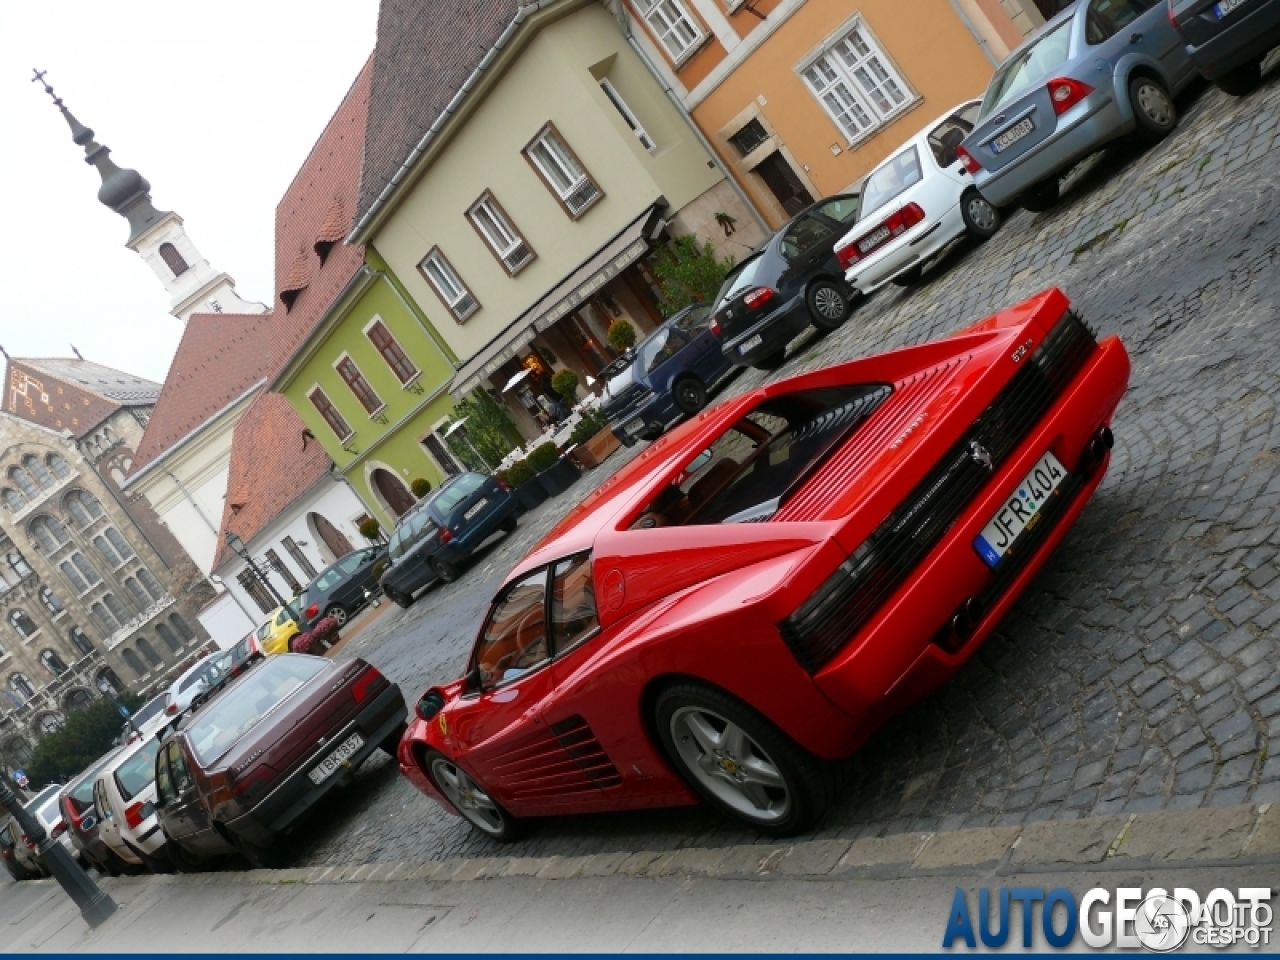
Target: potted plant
[(420, 487), (565, 383), (622, 335), (370, 529), (523, 480), (592, 440), (318, 639), (556, 473)]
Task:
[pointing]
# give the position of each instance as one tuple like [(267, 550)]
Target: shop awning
[(570, 293)]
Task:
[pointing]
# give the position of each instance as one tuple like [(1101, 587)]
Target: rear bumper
[(297, 794), (1242, 42), (776, 330), (894, 659), (1096, 126), (918, 245), (467, 541), (647, 420)]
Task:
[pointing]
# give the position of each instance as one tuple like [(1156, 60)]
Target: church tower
[(156, 235)]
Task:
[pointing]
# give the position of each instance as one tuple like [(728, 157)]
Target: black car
[(791, 281), (1227, 40), (340, 589), (434, 539)]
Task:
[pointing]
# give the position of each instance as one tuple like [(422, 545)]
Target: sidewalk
[(874, 894)]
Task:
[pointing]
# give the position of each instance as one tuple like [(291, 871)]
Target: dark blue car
[(435, 538), (672, 371)]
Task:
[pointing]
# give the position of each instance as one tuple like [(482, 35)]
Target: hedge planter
[(602, 445), (559, 477), (531, 494)]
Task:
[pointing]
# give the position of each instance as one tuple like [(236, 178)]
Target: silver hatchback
[(1095, 72)]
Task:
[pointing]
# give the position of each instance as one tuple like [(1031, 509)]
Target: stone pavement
[(1138, 671), (869, 895)]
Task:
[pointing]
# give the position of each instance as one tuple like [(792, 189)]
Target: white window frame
[(861, 90), (499, 234), (628, 115), (437, 270), (552, 158), (665, 18), (417, 371)]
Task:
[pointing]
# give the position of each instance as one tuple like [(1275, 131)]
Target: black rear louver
[(849, 598)]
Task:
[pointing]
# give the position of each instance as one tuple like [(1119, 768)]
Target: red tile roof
[(221, 355), (273, 460), (425, 52)]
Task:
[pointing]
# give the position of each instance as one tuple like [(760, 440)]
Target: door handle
[(1136, 38)]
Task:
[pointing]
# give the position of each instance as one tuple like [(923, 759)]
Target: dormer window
[(173, 259)]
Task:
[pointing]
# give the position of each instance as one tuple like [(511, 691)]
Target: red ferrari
[(749, 599)]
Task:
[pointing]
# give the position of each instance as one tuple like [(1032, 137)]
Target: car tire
[(117, 866), (260, 857), (772, 362), (183, 861), (479, 809), (828, 305), (339, 613), (1241, 81), (790, 790), (908, 277), (1041, 197), (445, 571), (158, 865), (391, 744), (509, 525), (404, 600), (981, 216), (689, 394), (1153, 108)]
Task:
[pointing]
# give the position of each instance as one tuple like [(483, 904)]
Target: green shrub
[(622, 335), (520, 473), (565, 383), (420, 486), (543, 456), (369, 528), (489, 428), (687, 273), (592, 422), (85, 737)]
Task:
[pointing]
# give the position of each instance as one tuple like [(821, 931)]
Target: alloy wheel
[(828, 302), (467, 797), (338, 613), (728, 763), (982, 213), (1155, 103)]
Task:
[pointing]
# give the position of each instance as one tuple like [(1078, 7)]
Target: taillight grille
[(850, 597)]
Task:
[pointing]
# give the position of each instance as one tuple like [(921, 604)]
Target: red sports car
[(763, 587)]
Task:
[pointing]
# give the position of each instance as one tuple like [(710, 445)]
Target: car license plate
[(1226, 6), (330, 764), (1021, 511), (1012, 135), (474, 509), (873, 240), (749, 344)]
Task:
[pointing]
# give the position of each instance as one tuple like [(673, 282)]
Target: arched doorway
[(394, 493), (332, 538)]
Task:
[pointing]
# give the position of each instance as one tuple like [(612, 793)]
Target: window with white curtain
[(506, 242), (561, 171), (673, 25), (856, 83), (448, 286)]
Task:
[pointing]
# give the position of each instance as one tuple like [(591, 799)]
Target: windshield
[(235, 713), (82, 792), (149, 710), (894, 178), (740, 278), (656, 350), (135, 774), (50, 791), (456, 492), (1030, 68)]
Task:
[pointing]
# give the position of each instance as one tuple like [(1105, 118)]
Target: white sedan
[(913, 205)]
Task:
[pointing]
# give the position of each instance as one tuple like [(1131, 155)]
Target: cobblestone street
[(1138, 672)]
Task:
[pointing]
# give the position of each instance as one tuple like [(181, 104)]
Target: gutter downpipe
[(977, 35), (625, 22)]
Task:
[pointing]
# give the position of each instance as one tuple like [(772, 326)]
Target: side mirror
[(473, 681)]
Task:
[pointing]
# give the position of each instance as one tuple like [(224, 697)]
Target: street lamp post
[(95, 905), (237, 546)]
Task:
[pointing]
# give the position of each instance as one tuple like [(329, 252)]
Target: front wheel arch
[(1127, 75)]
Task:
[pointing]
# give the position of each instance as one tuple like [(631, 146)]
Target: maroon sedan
[(239, 772)]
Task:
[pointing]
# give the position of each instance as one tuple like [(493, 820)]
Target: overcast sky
[(216, 103)]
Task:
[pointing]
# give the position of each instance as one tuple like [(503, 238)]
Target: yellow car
[(277, 631)]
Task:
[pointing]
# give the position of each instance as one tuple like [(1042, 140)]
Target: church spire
[(125, 191)]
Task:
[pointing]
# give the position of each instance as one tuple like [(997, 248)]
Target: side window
[(514, 640), (802, 235), (101, 802), (694, 321), (946, 136), (841, 209), (573, 603), (164, 783), (1106, 18)]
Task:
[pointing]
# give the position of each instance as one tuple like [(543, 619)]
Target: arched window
[(48, 533), (82, 508), (115, 607), (77, 700), (20, 685), (108, 682), (49, 722), (25, 626), (119, 543), (58, 466), (73, 577), (53, 663), (150, 584), (167, 636), (148, 651), (173, 259), (108, 551), (180, 625), (80, 641), (18, 565), (13, 500), (139, 595), (22, 480), (133, 661), (38, 471), (51, 601), (108, 623), (85, 569)]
